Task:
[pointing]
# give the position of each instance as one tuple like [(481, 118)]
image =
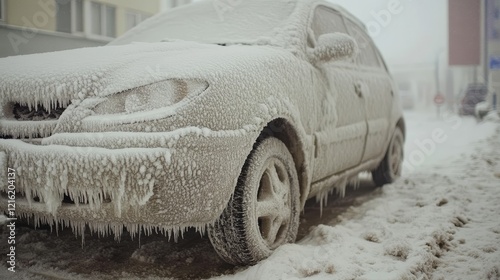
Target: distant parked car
[(474, 94), (218, 119)]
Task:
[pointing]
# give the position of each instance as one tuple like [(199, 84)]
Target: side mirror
[(333, 46)]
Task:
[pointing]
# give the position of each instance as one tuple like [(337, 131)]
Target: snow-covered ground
[(440, 221)]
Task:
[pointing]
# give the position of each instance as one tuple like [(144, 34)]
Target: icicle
[(139, 239), (82, 228), (57, 227), (321, 207), (176, 234)]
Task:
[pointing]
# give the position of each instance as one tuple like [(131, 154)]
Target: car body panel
[(342, 133)]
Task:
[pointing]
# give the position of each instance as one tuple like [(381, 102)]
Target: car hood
[(56, 78)]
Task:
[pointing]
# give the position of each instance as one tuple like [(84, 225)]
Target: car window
[(217, 22), (367, 53), (326, 21)]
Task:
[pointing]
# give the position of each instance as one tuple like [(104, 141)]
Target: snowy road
[(440, 221)]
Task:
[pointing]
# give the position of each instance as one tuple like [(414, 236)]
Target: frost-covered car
[(221, 118)]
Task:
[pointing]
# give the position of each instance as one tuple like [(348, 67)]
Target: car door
[(375, 85), (341, 131)]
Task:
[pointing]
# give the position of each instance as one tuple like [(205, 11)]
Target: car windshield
[(215, 21)]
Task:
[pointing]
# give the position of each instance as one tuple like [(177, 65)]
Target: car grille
[(28, 113), (29, 121)]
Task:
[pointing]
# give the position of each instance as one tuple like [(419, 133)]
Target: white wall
[(13, 41)]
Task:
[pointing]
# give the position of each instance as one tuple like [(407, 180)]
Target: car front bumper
[(106, 181)]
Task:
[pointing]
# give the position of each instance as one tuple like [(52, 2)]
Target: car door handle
[(358, 89)]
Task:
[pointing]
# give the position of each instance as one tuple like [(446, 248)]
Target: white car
[(226, 118)]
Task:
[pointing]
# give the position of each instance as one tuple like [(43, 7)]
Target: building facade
[(33, 26), (492, 49), (474, 46)]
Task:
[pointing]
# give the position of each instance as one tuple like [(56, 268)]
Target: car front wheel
[(264, 210)]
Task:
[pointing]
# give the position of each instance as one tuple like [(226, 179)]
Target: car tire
[(391, 166), (264, 210)]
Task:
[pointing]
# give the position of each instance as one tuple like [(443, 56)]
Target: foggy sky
[(414, 35)]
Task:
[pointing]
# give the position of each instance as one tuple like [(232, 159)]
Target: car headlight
[(163, 94)]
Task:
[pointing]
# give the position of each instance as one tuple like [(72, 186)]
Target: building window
[(134, 18), (69, 16), (77, 10), (176, 3), (2, 10), (103, 20)]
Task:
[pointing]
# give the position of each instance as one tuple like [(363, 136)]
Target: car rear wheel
[(264, 210), (391, 166)]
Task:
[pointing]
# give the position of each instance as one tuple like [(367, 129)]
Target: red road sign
[(439, 99)]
